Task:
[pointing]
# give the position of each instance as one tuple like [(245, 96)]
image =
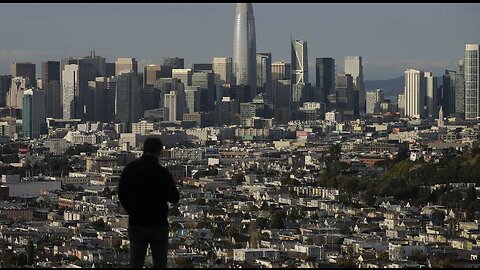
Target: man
[(144, 189)]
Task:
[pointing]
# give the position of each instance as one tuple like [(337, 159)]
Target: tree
[(30, 252), (99, 225), (182, 262), (438, 218), (470, 198)]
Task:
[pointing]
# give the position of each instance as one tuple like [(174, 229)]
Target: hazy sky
[(389, 37)]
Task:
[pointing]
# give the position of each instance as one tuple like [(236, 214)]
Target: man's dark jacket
[(144, 189)]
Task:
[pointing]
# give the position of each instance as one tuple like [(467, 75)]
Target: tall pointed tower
[(244, 47)]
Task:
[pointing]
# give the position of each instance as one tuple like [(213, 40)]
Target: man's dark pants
[(140, 237)]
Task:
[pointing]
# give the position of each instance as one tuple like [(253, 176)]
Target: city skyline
[(205, 32)]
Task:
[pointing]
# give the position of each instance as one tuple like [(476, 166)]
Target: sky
[(389, 37)]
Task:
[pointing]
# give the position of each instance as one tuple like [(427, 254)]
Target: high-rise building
[(226, 111), (299, 62), (472, 82), (88, 69), (33, 113), (127, 101), (325, 77), (401, 104), (345, 102), (244, 46), (98, 93), (415, 93), (151, 73), (184, 75), (192, 98), (264, 74), (174, 62), (51, 86), (431, 95), (283, 101), (198, 67), (205, 80), (50, 71), (170, 107), (453, 94), (281, 71), (354, 67), (109, 70), (27, 70), (126, 65), (70, 91), (373, 100), (5, 83), (222, 69), (110, 98), (15, 94)]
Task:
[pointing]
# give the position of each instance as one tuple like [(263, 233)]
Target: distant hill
[(392, 87)]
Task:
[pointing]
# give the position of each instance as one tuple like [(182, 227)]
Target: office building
[(472, 83), (222, 69), (453, 95), (27, 70), (15, 94), (244, 46), (345, 101), (109, 70), (170, 111), (264, 74), (431, 95), (184, 75), (325, 78), (192, 98), (70, 91), (174, 62), (126, 65), (5, 83), (373, 101), (299, 62), (205, 80), (127, 99), (151, 73), (51, 86), (354, 67), (414, 94), (33, 114)]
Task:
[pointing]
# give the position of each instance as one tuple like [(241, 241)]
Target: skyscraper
[(414, 93), (472, 86), (244, 46), (33, 113), (184, 75), (126, 65), (264, 74), (70, 90), (51, 86), (354, 66), (5, 82), (127, 100), (299, 62), (431, 94), (345, 96), (453, 94), (222, 69), (151, 73), (27, 70), (325, 77), (174, 62)]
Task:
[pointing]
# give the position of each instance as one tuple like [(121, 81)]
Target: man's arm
[(123, 187)]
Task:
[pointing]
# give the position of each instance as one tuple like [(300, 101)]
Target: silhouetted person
[(144, 189)]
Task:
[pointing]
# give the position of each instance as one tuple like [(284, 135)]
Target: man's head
[(152, 146)]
